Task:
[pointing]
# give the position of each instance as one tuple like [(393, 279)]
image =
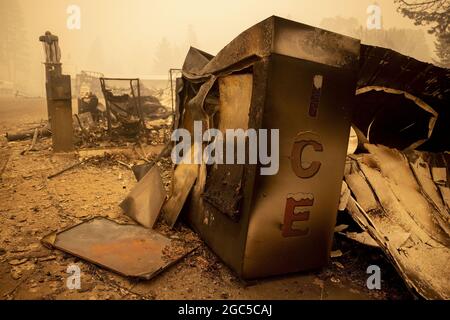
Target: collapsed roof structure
[(402, 102)]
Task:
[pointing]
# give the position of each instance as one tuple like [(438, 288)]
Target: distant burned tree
[(346, 26), (191, 37), (96, 57), (436, 15), (409, 42), (406, 41), (443, 49), (164, 57), (433, 12), (14, 48)]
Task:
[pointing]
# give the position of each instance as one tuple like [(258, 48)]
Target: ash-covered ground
[(32, 206)]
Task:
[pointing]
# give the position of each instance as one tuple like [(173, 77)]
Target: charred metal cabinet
[(303, 84)]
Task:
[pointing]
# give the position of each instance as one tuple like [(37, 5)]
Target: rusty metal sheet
[(129, 250), (184, 179), (145, 200)]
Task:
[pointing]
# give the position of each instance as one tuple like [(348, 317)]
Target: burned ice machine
[(300, 80)]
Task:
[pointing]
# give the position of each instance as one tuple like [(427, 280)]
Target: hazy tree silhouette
[(14, 47), (346, 26), (443, 49), (163, 59), (168, 55), (96, 56), (406, 41), (436, 15), (192, 40)]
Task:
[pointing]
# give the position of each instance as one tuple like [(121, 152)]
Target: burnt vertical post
[(59, 95)]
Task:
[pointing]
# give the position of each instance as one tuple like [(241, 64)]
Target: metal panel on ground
[(129, 250)]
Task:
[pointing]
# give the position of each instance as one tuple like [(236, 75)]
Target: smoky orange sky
[(126, 33)]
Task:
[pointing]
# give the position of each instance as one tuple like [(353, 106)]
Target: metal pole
[(108, 108), (59, 96)]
